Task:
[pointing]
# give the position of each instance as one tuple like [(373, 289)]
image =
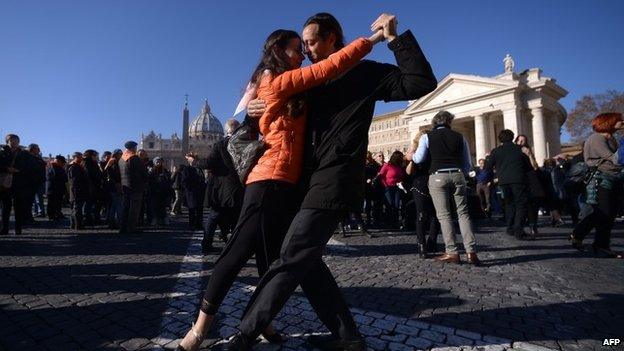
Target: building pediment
[(459, 87)]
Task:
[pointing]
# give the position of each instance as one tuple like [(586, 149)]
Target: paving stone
[(525, 346), (432, 335), (419, 343)]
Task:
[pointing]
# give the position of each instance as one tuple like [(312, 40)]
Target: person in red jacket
[(269, 204)]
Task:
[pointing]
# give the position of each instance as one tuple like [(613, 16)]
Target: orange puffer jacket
[(284, 134)]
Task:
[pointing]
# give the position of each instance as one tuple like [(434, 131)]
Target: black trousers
[(602, 218), (301, 263), (225, 218), (426, 220), (196, 217), (55, 205), (21, 206), (130, 211), (268, 209), (516, 198)]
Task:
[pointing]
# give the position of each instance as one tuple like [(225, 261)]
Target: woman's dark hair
[(327, 24), (396, 158), (274, 60), (505, 136)]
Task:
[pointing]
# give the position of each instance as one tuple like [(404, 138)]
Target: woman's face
[(521, 141), (619, 125), (294, 53)]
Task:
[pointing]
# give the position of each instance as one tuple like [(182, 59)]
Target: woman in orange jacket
[(270, 201)]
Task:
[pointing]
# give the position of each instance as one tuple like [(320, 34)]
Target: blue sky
[(92, 74)]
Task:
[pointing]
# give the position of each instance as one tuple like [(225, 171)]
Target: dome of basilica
[(205, 125)]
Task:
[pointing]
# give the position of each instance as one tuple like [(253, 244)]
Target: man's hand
[(409, 156), (388, 24), (256, 108)]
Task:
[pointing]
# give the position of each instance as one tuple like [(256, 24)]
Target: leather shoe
[(473, 259), (328, 342), (239, 343), (448, 258)]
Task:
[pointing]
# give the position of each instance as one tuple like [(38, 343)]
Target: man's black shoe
[(206, 250), (239, 343), (328, 342)]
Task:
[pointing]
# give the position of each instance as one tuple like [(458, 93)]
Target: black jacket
[(95, 178), (339, 117), (192, 181), (56, 180), (133, 175), (224, 189), (78, 183), (160, 185), (511, 164), (31, 170)]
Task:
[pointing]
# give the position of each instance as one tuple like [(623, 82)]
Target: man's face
[(36, 150), (379, 158), (481, 163), (13, 143), (315, 47)]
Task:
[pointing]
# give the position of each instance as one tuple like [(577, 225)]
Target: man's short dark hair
[(327, 24), (10, 136), (505, 136), (442, 118)]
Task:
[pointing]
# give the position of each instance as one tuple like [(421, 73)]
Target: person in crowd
[(112, 186), (176, 177), (426, 219), (224, 194), (133, 183), (391, 174), (574, 190), (536, 187), (552, 178), (94, 173), (484, 179), (103, 205), (372, 200), (145, 216), (449, 155), (79, 190), (604, 192), (38, 170), (270, 202), (19, 164), (160, 192), (338, 122), (56, 187), (193, 182), (512, 166)]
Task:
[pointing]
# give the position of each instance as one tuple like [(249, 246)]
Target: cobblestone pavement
[(100, 290)]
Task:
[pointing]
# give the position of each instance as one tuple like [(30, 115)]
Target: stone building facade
[(198, 136), (526, 103)]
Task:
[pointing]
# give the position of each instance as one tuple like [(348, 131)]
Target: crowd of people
[(314, 175)]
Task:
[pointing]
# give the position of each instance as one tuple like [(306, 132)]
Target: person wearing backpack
[(604, 189)]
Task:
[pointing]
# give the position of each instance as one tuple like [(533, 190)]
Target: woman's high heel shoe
[(607, 253), (576, 243), (275, 338), (198, 337)]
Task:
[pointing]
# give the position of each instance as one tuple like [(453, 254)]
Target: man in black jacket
[(78, 190), (133, 183), (224, 191), (56, 187), (512, 166), (193, 182), (21, 165), (339, 116)]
